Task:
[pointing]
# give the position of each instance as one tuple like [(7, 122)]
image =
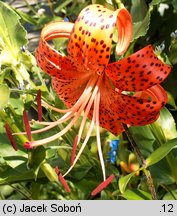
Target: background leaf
[(11, 31), (138, 10), (140, 28), (4, 95), (136, 195)]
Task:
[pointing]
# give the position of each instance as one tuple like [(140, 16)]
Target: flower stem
[(119, 3), (143, 162)]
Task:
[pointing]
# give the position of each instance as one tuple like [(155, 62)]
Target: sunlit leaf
[(11, 31), (4, 95), (26, 17), (136, 194), (161, 152), (123, 181), (167, 123)]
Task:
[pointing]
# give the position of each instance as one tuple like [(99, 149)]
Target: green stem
[(120, 4), (160, 137), (30, 7), (142, 162)]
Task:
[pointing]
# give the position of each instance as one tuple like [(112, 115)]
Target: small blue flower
[(112, 154), (66, 19)]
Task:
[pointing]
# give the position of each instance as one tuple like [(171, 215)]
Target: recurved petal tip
[(124, 26)]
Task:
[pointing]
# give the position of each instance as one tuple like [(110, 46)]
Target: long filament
[(85, 141), (98, 136)]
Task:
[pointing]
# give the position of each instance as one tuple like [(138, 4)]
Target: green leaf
[(173, 51), (171, 100), (167, 123), (80, 172), (135, 194), (124, 181), (155, 2), (12, 32), (161, 152), (172, 195), (26, 17), (138, 10), (144, 138), (140, 28), (174, 3), (17, 174), (161, 173), (4, 94)]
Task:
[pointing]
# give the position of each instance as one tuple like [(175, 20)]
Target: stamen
[(84, 95), (64, 118), (73, 154), (102, 185), (39, 106), (27, 125), (85, 141), (98, 136), (70, 112), (61, 133), (88, 109), (11, 138), (62, 180)]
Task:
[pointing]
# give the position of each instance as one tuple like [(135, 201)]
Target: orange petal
[(49, 59), (90, 42), (124, 26), (69, 91), (142, 108), (139, 71)]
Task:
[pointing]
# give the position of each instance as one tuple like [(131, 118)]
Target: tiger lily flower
[(110, 94)]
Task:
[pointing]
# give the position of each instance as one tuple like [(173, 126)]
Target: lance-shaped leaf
[(161, 152), (167, 123), (124, 181), (135, 194)]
